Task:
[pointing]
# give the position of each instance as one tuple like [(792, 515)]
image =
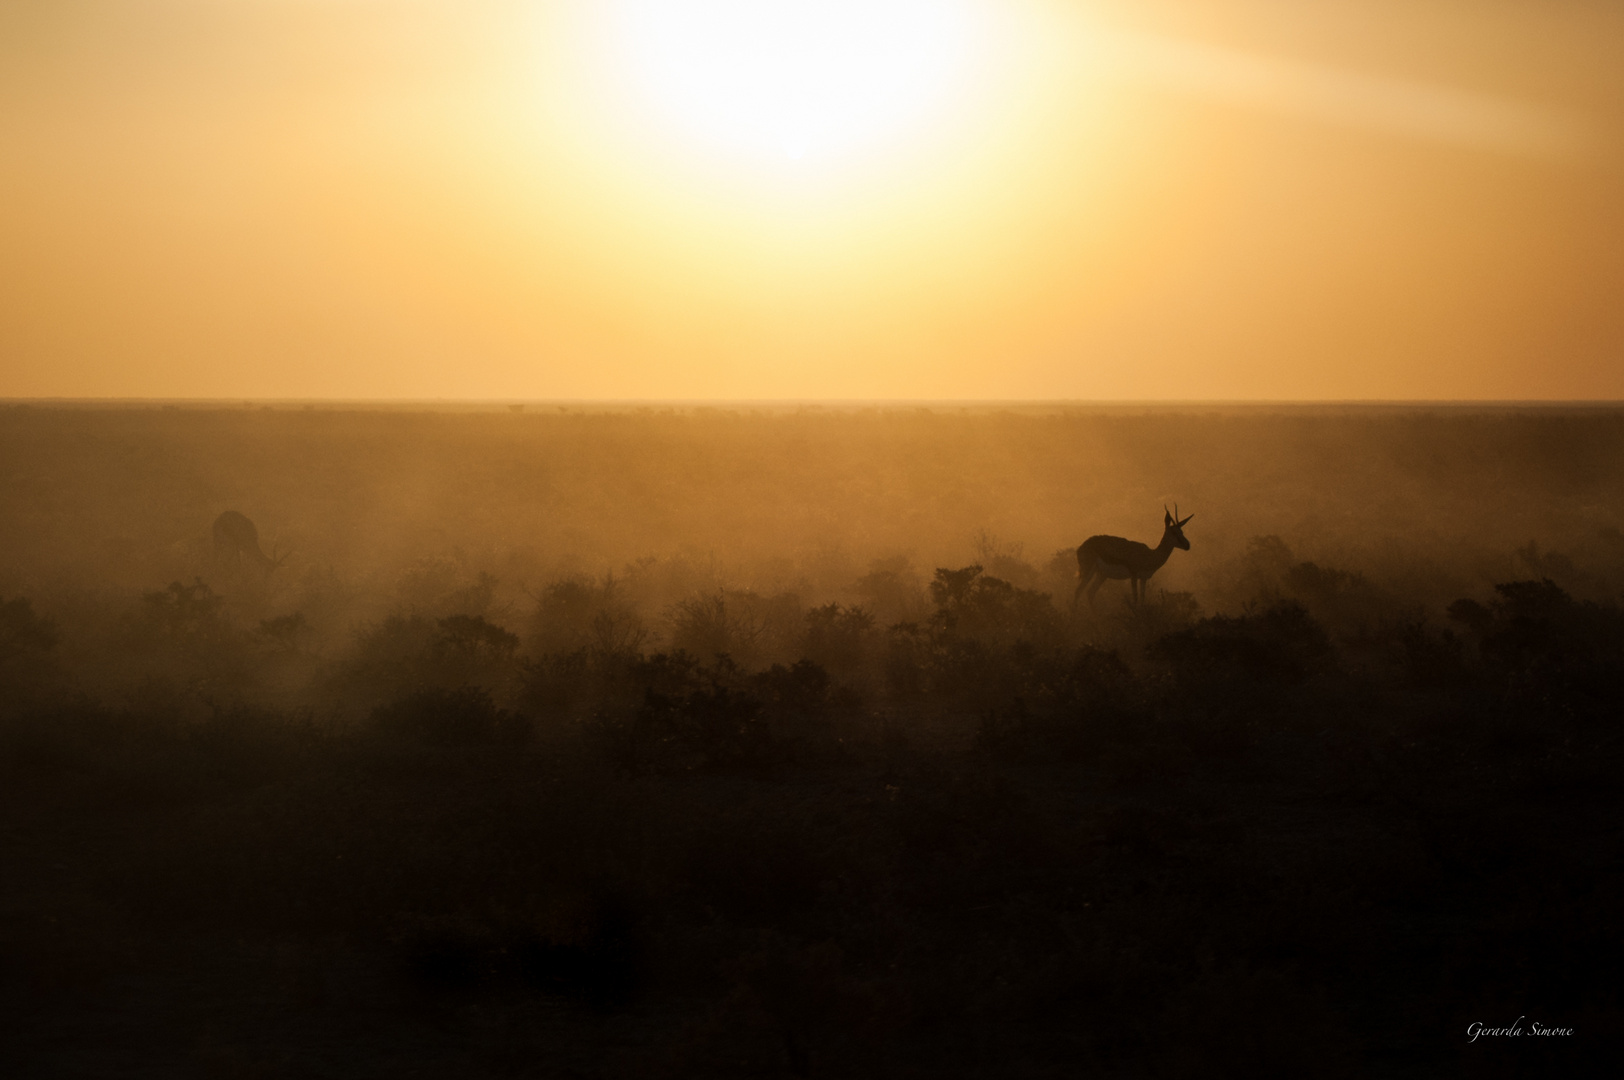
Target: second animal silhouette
[(1103, 558), (236, 544)]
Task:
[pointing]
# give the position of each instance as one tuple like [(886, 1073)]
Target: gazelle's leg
[(1095, 588), (1085, 574)]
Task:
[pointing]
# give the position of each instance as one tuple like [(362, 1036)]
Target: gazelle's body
[(236, 543), (1111, 558)]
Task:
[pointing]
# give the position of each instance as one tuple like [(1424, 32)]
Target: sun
[(795, 80)]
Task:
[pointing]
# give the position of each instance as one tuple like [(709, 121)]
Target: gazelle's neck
[(1163, 550)]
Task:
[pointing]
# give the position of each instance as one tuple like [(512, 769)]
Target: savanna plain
[(545, 741)]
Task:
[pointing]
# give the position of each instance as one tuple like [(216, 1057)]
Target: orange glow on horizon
[(911, 199)]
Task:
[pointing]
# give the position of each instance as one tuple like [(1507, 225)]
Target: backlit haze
[(714, 199)]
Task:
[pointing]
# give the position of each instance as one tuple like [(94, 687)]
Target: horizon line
[(519, 404)]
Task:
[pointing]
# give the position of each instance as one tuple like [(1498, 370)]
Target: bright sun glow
[(794, 79)]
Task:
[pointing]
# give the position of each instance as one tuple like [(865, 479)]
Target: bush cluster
[(1317, 834)]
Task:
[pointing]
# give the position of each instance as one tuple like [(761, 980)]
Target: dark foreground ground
[(941, 826)]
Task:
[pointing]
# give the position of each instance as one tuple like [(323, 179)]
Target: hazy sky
[(897, 198)]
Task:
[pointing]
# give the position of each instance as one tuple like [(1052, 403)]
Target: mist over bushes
[(840, 808)]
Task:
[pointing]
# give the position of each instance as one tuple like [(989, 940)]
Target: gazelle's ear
[(1167, 519), (1186, 521)]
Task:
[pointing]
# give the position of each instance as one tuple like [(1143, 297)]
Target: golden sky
[(680, 199)]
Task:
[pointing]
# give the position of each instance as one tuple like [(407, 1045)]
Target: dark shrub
[(837, 636), (284, 631), (471, 635), (989, 609), (1535, 623), (579, 613), (802, 687), (1281, 645), (1344, 601), (1551, 647), (725, 728), (1267, 557), (907, 650), (23, 631), (675, 673), (1429, 659), (186, 612), (460, 717), (390, 654), (1471, 614), (1547, 564), (707, 717), (1314, 582), (1159, 613), (574, 684), (1095, 681), (892, 589), (1076, 706), (737, 623), (454, 651)]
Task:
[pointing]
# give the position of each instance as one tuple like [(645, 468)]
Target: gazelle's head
[(1172, 526)]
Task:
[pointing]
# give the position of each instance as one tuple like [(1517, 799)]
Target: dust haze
[(399, 511), (731, 741)]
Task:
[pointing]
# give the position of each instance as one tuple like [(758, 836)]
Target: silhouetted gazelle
[(236, 543), (1111, 557)]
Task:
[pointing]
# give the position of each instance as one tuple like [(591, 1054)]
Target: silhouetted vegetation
[(1289, 816)]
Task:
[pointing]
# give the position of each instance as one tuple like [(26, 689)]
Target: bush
[(991, 610), (472, 636), (1074, 707), (1281, 645), (578, 613), (284, 631), (837, 637), (1552, 651), (736, 623), (187, 612), (465, 716), (22, 631)]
